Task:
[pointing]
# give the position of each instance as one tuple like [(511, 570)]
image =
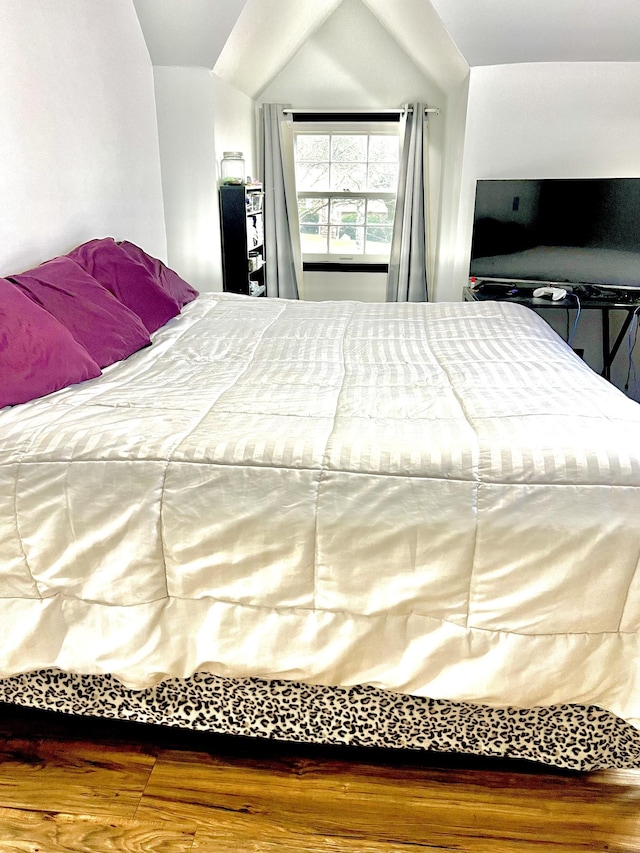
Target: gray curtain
[(408, 270), (280, 206)]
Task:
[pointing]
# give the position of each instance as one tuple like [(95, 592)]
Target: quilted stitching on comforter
[(437, 499)]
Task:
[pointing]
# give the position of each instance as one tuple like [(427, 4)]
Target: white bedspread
[(437, 499)]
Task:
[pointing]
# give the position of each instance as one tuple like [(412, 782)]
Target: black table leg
[(610, 353)]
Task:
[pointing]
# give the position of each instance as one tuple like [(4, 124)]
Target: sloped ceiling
[(499, 32), (248, 42), (265, 37), (187, 33)]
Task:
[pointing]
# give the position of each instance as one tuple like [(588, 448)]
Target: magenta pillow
[(168, 280), (105, 327), (37, 354), (127, 280)]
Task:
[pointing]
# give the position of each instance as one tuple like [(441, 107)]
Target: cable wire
[(575, 322)]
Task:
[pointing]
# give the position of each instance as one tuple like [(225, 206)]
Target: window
[(346, 184)]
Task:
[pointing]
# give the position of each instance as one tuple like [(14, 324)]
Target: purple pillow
[(105, 327), (37, 354), (168, 280), (127, 280)]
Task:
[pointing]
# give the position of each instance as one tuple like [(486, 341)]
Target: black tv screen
[(577, 231)]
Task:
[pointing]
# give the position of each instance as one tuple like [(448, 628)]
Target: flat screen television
[(576, 232)]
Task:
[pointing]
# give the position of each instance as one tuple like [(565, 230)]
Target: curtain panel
[(408, 263), (283, 264)]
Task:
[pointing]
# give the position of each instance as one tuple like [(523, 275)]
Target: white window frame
[(365, 128)]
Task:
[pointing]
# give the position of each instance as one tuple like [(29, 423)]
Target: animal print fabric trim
[(573, 737)]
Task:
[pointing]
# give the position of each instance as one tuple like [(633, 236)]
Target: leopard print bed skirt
[(572, 737)]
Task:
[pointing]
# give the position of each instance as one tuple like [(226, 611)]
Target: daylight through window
[(346, 184)]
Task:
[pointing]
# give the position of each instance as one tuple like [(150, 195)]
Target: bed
[(404, 525)]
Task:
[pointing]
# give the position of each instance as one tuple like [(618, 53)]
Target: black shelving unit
[(241, 221)]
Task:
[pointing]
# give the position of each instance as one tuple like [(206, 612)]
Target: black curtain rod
[(297, 115), (353, 114)]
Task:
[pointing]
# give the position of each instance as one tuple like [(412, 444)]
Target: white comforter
[(438, 499)]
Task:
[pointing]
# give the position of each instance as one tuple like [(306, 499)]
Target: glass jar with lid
[(232, 168)]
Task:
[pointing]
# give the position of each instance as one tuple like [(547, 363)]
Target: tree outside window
[(346, 185)]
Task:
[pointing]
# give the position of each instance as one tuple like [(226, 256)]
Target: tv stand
[(624, 301)]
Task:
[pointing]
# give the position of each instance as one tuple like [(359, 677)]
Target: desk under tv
[(619, 301)]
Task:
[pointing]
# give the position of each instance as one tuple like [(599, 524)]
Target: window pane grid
[(346, 192)]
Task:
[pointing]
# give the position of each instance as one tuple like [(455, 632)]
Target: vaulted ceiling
[(248, 42)]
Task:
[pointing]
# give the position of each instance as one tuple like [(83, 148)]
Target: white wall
[(557, 120), (352, 61), (548, 120), (447, 213), (78, 137), (361, 286), (199, 117)]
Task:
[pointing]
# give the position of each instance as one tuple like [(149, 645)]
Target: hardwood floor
[(72, 784)]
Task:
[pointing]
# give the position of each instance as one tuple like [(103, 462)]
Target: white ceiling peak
[(419, 31), (248, 42), (265, 37)]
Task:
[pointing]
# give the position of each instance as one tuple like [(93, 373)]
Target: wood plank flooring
[(73, 784)]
